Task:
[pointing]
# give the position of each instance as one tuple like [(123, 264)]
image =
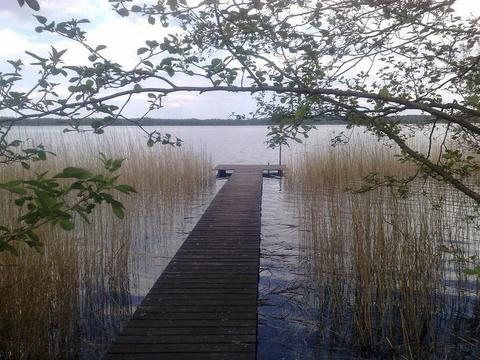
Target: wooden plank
[(204, 305), (186, 339), (190, 323), (240, 315), (246, 168), (180, 331), (182, 356), (153, 309), (194, 292), (182, 348)]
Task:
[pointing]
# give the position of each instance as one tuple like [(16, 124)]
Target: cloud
[(122, 37), (75, 8), (467, 7), (13, 44)]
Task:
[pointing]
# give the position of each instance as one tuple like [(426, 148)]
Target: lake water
[(287, 306)]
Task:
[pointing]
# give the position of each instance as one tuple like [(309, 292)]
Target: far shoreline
[(406, 119)]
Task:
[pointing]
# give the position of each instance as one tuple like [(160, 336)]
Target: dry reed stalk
[(375, 256), (74, 296)]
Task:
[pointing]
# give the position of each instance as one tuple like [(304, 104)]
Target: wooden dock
[(223, 170), (204, 304)]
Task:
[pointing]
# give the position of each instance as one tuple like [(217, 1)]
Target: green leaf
[(115, 165), (74, 172), (124, 188), (151, 20), (136, 8), (7, 247), (97, 124), (216, 62), (35, 56), (170, 71), (41, 19), (151, 43), (66, 224), (20, 202), (33, 4), (15, 143), (42, 155), (34, 239), (13, 187), (301, 112), (117, 209), (123, 12), (100, 47), (43, 83), (475, 271), (18, 190), (142, 50), (46, 200), (384, 92)]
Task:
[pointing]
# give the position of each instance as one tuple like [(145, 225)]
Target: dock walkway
[(204, 304)]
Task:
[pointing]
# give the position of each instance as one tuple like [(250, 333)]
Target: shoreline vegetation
[(406, 119), (391, 267), (70, 300)]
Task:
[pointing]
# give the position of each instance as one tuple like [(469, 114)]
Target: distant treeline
[(406, 119)]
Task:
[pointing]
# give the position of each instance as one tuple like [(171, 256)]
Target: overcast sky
[(123, 36)]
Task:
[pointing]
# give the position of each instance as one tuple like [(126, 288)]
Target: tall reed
[(72, 299), (386, 285)]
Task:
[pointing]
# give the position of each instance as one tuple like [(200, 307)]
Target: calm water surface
[(286, 313), (287, 309)]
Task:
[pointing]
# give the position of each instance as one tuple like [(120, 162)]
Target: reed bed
[(387, 287), (72, 299)]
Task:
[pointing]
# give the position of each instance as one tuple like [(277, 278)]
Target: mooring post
[(280, 155), (280, 171)]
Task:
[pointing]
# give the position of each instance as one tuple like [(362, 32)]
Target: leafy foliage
[(56, 201), (470, 264)]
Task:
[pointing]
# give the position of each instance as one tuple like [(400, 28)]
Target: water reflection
[(287, 312), (299, 317), (310, 311), (108, 301)]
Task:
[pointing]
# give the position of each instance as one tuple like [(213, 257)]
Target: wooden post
[(280, 172), (280, 155)]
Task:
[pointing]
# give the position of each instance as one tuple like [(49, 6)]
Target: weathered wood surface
[(248, 167), (204, 305)]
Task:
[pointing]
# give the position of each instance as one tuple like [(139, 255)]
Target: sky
[(122, 36)]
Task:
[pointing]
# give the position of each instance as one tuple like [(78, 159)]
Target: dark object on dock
[(204, 305), (266, 170)]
